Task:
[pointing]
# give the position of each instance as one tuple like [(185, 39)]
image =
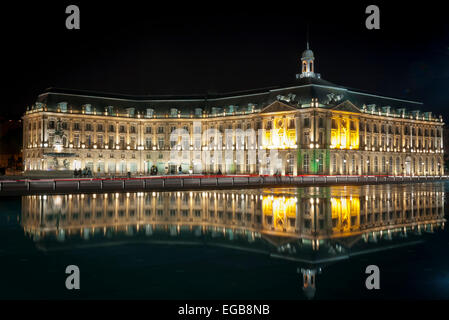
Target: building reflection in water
[(313, 226)]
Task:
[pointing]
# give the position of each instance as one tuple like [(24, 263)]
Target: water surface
[(280, 243)]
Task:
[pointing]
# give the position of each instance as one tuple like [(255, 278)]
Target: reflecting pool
[(280, 243)]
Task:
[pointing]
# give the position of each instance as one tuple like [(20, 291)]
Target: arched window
[(334, 164), (306, 163), (361, 165), (320, 163), (390, 164), (353, 168), (290, 164)]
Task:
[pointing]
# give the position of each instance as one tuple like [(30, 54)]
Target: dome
[(307, 54)]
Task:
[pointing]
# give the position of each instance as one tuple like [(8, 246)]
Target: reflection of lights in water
[(57, 201), (279, 208), (281, 213)]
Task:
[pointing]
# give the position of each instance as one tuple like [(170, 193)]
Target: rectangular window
[(148, 143), (306, 123), (160, 143), (306, 138), (291, 124), (352, 126), (76, 140), (100, 141), (269, 125), (334, 124), (89, 141)]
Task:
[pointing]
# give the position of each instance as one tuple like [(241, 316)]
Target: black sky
[(181, 48)]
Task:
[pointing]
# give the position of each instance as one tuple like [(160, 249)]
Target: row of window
[(52, 125), (268, 126)]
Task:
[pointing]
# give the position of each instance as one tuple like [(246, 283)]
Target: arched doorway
[(408, 166), (290, 164)]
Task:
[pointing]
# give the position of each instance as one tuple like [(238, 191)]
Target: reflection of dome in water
[(309, 292), (308, 287)]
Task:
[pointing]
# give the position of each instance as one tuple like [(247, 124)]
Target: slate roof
[(297, 94)]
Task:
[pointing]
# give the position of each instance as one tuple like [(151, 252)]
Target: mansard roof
[(298, 94)]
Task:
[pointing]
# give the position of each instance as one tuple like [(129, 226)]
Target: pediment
[(277, 106), (347, 106)]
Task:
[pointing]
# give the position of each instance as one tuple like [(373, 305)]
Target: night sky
[(180, 48)]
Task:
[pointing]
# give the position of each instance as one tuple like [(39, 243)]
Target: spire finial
[(307, 36)]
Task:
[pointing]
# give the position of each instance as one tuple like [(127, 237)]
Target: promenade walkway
[(189, 182)]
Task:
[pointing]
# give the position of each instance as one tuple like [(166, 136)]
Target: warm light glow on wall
[(343, 137), (279, 137)]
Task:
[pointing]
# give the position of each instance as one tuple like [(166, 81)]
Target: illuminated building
[(315, 126)]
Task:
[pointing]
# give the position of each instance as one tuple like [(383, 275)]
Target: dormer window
[(131, 111), (150, 112), (88, 108), (62, 106)]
